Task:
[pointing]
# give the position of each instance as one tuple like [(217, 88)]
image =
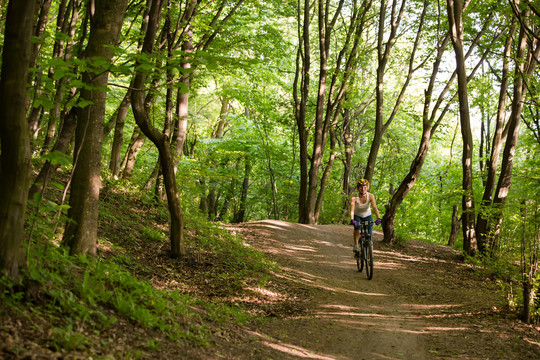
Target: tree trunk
[(81, 229), (331, 92), (118, 137), (526, 62), (455, 17), (303, 65), (429, 126), (176, 231), (326, 174), (42, 15), (406, 185), (15, 158), (66, 22), (128, 164), (61, 147), (455, 226), (182, 107), (497, 145), (384, 49), (241, 213)]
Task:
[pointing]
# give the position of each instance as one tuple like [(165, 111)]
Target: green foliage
[(98, 293), (253, 68), (68, 339)]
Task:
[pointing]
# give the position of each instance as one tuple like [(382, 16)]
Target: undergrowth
[(76, 302)]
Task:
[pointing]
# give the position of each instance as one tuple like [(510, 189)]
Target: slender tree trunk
[(427, 131), (405, 186), (138, 139), (182, 107), (42, 16), (68, 16), (318, 134), (455, 226), (497, 145), (241, 213), (219, 129), (81, 230), (303, 64), (217, 133), (176, 231), (15, 158), (326, 174), (331, 91), (118, 137), (347, 161), (384, 49), (455, 16), (61, 146), (526, 62)]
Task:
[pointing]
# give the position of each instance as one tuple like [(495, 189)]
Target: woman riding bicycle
[(361, 210)]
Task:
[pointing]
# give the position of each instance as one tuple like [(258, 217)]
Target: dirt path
[(422, 303)]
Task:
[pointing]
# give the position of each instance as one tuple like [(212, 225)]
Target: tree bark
[(497, 145), (384, 49), (128, 164), (455, 226), (61, 146), (331, 91), (68, 15), (302, 75), (182, 107), (241, 213), (455, 17), (118, 137), (106, 20), (15, 158), (160, 140), (42, 15), (427, 131), (526, 62), (326, 174)]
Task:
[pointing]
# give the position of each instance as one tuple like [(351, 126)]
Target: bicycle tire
[(369, 260), (359, 264)]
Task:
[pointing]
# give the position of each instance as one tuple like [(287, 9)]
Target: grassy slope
[(133, 301)]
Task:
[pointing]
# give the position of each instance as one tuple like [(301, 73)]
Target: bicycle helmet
[(362, 182)]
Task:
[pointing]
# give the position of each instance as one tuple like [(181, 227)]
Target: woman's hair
[(362, 182)]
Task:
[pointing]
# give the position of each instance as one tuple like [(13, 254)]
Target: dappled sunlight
[(290, 349), (406, 311), (320, 286), (432, 306), (300, 248), (297, 351), (272, 295), (446, 329), (339, 289), (532, 342)]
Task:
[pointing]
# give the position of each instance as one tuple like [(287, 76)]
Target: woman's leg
[(356, 233)]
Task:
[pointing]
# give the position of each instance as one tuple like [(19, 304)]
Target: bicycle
[(365, 255)]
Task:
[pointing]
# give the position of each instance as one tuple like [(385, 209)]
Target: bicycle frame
[(366, 249)]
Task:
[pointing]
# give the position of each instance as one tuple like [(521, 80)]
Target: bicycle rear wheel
[(368, 258)]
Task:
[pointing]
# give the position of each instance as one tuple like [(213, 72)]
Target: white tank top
[(362, 210)]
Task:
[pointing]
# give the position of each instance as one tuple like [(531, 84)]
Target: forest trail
[(422, 303)]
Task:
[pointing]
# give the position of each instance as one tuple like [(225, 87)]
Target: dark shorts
[(367, 218)]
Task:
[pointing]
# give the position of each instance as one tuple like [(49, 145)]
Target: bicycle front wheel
[(368, 258), (359, 261)]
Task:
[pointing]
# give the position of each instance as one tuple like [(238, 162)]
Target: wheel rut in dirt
[(422, 303)]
